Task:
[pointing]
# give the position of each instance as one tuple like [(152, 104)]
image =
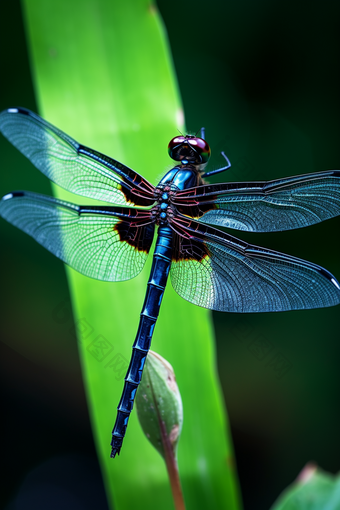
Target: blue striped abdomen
[(148, 317)]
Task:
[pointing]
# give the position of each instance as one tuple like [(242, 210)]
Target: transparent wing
[(73, 166), (283, 204), (217, 271), (106, 243)]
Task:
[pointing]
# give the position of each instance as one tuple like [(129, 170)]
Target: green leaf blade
[(103, 74)]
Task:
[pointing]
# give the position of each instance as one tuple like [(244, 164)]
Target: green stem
[(170, 460), (172, 468)]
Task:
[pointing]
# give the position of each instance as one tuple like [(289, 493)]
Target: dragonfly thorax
[(177, 179), (180, 178), (163, 211)]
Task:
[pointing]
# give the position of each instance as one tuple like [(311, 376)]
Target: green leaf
[(103, 74), (313, 490), (159, 403)]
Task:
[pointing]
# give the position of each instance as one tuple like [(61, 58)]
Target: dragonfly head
[(189, 149)]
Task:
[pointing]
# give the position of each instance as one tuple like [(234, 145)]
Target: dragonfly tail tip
[(114, 452), (116, 445)]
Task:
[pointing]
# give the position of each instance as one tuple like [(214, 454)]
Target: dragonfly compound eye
[(191, 148)]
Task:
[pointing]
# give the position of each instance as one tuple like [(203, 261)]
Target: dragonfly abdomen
[(148, 317)]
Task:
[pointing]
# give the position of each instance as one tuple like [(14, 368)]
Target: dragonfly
[(208, 267)]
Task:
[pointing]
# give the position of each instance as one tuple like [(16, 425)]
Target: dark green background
[(263, 78)]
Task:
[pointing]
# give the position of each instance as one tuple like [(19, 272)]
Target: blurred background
[(263, 78)]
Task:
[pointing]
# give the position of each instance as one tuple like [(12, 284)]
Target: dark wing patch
[(188, 248), (137, 236)]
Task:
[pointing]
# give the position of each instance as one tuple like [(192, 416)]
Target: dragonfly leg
[(219, 170)]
